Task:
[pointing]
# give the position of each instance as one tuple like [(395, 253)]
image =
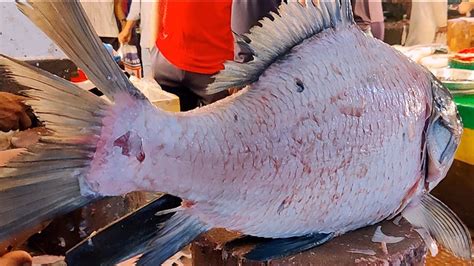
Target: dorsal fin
[(294, 24)]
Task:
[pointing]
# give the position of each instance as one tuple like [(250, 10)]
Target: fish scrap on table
[(332, 132)]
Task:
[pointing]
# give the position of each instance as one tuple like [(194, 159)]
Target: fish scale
[(414, 172)]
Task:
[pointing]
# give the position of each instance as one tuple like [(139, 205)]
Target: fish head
[(442, 136)]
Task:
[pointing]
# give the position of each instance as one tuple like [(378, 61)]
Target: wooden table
[(353, 248)]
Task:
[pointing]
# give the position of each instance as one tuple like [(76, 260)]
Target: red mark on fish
[(141, 156), (352, 110), (131, 144), (187, 204), (123, 142), (286, 202)]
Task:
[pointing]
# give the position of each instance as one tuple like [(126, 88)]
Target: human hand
[(125, 36), (16, 258), (123, 23), (13, 113)]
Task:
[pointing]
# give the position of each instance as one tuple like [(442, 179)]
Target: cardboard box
[(156, 95)]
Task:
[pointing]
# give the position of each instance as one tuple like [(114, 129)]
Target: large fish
[(333, 131)]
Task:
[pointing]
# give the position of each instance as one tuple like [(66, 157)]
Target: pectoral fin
[(442, 223)]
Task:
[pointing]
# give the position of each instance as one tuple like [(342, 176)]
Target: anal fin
[(442, 223), (266, 249), (125, 238)]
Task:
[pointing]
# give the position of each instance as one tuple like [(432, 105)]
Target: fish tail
[(66, 23), (155, 230), (44, 180)]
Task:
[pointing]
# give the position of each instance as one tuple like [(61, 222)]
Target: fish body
[(330, 134), (333, 131)]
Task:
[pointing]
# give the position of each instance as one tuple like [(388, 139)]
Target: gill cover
[(443, 134)]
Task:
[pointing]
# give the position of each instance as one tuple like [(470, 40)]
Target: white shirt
[(147, 12), (426, 17), (101, 15)]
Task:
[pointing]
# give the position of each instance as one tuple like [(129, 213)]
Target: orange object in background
[(445, 258), (460, 34), (16, 258), (81, 76)]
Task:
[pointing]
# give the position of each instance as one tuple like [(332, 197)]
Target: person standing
[(103, 15), (146, 12), (194, 40), (368, 15), (427, 18), (377, 19)]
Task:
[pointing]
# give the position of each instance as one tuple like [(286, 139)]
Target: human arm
[(120, 13), (133, 16), (126, 34)]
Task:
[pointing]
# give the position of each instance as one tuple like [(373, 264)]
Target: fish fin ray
[(291, 26), (268, 249), (139, 232), (45, 180), (442, 223), (66, 23), (178, 232)]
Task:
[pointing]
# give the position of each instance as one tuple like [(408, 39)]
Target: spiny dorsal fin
[(66, 23), (294, 24)]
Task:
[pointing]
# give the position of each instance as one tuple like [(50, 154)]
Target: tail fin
[(44, 181), (158, 236), (67, 25)]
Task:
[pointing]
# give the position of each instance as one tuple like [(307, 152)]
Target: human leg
[(198, 83), (378, 30), (170, 79)]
